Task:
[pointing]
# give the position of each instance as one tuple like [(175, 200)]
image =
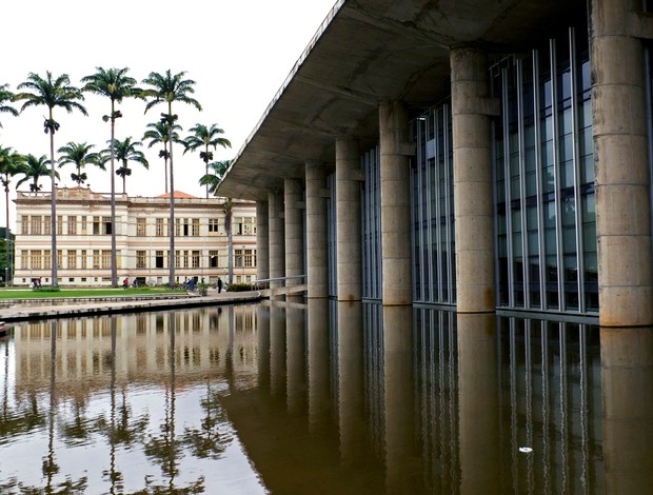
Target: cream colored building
[(142, 238)]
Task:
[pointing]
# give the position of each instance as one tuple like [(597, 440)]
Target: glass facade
[(371, 224)]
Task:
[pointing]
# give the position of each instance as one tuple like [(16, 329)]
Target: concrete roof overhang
[(367, 52)]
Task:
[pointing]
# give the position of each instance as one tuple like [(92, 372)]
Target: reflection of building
[(205, 342), (142, 238)]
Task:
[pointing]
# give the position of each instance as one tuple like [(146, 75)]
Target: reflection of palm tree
[(76, 432)]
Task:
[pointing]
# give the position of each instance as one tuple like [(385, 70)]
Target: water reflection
[(284, 397)]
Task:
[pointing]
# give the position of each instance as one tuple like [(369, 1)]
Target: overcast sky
[(238, 53)]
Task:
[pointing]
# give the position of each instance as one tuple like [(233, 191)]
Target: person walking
[(219, 285)]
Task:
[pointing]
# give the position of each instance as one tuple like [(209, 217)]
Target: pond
[(324, 397)]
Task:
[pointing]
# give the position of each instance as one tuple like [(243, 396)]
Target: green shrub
[(240, 287), (46, 288)]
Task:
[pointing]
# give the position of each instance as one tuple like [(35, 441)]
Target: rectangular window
[(214, 225), (140, 259), (160, 230), (186, 265), (84, 226), (24, 224), (177, 227), (106, 259), (59, 225), (35, 259), (96, 259), (238, 257), (140, 227), (24, 259), (35, 225), (196, 227), (72, 259), (159, 259), (72, 225), (59, 258), (83, 259), (47, 259), (177, 259), (196, 259), (96, 225), (248, 226), (106, 225), (213, 258), (249, 257)]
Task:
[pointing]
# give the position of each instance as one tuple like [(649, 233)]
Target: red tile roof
[(177, 194)]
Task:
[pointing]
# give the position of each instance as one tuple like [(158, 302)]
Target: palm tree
[(158, 134), (116, 85), (6, 95), (79, 154), (125, 151), (211, 181), (168, 88), (205, 137), (51, 92), (33, 169), (11, 164)]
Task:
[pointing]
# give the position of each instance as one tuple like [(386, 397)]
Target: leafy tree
[(33, 169), (80, 155), (211, 181), (157, 133), (126, 151), (10, 165), (6, 96), (116, 85), (168, 88), (51, 92), (206, 137)]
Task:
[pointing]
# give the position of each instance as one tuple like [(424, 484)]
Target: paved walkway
[(108, 305)]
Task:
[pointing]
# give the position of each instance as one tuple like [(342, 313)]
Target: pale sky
[(238, 52)]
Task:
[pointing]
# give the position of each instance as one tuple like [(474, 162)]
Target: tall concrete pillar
[(472, 174), (316, 230), (398, 396), (262, 241), (296, 359), (294, 231), (276, 235), (626, 378), (478, 404), (396, 248), (623, 218), (348, 220)]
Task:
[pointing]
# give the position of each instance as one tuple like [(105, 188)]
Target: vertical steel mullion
[(528, 395), (564, 409), (439, 234), (429, 230), (448, 180), (649, 127), (416, 216), (556, 174), (522, 183), (538, 178), (514, 423), (544, 342), (506, 173), (580, 255), (584, 412)]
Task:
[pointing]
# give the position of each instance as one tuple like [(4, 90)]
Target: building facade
[(142, 238), (479, 155)]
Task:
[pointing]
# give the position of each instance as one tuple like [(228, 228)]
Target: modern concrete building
[(487, 156), (142, 238)]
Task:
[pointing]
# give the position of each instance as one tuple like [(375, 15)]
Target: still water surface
[(324, 398)]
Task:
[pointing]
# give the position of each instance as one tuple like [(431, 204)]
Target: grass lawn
[(45, 293)]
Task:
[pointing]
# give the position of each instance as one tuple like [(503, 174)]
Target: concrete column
[(316, 230), (294, 231), (348, 220), (478, 404), (262, 241), (398, 396), (472, 164), (626, 378), (395, 205), (623, 222), (276, 236), (351, 391), (318, 363)]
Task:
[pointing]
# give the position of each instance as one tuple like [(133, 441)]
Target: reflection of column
[(296, 366), (263, 344), (277, 350), (350, 378), (627, 388), (478, 404), (398, 394), (318, 361)]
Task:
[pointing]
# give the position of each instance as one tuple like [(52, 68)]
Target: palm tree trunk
[(114, 261), (171, 257), (53, 210), (7, 271), (165, 168)]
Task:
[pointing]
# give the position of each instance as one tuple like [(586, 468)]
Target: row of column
[(623, 208)]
